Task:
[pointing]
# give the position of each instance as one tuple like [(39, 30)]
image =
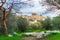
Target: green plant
[(56, 23), (35, 26), (46, 24), (11, 23), (22, 24)]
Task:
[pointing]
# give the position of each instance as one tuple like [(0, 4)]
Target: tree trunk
[(4, 27)]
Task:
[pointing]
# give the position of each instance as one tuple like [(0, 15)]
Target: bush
[(46, 24), (11, 23), (35, 26), (22, 24), (56, 23)]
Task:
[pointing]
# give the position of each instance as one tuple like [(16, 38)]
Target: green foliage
[(22, 24), (53, 37), (56, 23), (34, 30), (14, 37), (11, 23), (35, 26), (46, 24), (54, 2)]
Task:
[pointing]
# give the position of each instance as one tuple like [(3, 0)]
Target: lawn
[(14, 37), (49, 37), (17, 37), (34, 30), (53, 37)]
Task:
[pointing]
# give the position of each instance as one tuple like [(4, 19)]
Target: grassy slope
[(15, 37), (49, 37), (21, 35), (34, 30), (53, 37), (9, 38)]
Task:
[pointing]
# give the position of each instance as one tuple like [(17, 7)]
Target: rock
[(28, 33), (29, 38), (55, 31), (32, 34), (10, 35), (47, 34), (40, 35), (14, 33)]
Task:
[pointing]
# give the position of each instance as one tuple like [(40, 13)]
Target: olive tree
[(22, 24), (56, 23), (47, 24), (54, 2), (7, 6)]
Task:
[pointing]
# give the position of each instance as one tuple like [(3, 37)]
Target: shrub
[(11, 23), (35, 26), (56, 23), (46, 24), (22, 24)]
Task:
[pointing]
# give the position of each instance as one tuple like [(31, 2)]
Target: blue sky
[(39, 8), (35, 6)]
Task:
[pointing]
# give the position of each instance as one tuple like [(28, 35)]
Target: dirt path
[(33, 35), (32, 38), (29, 38)]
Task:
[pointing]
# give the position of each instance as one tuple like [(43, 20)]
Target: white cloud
[(37, 7)]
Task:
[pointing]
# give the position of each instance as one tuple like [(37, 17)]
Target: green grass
[(53, 37), (34, 30), (15, 37)]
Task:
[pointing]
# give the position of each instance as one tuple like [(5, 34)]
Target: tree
[(35, 26), (6, 8), (54, 2), (22, 24), (3, 17), (11, 22), (56, 23), (47, 24)]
